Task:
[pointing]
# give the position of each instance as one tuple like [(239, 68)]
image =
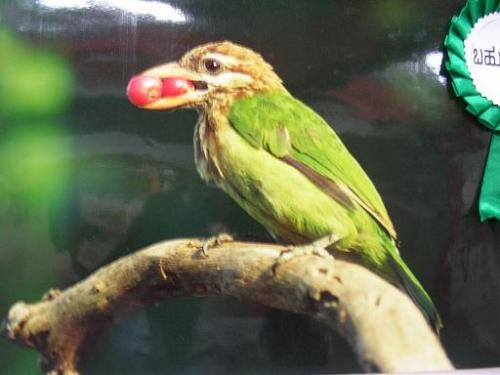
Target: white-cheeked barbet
[(278, 159)]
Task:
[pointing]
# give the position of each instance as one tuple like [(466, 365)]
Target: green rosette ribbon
[(486, 111)]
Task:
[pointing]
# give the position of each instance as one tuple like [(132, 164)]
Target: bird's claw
[(214, 242), (303, 250), (51, 294), (326, 241), (317, 248)]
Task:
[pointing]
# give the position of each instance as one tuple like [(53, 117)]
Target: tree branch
[(383, 326)]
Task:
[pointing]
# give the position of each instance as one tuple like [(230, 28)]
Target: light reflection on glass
[(434, 60), (154, 9)]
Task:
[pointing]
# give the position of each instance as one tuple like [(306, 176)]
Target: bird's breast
[(206, 150), (276, 194)]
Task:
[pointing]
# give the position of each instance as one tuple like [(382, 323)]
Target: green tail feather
[(417, 292)]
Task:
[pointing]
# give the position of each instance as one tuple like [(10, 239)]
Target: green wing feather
[(294, 133), (286, 127)]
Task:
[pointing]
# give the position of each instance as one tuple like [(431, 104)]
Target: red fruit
[(174, 86), (142, 90)]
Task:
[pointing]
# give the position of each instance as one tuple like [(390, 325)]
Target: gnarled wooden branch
[(384, 327)]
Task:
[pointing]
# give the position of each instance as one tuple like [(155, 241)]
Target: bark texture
[(383, 326)]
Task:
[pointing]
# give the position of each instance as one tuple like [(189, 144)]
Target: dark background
[(85, 177)]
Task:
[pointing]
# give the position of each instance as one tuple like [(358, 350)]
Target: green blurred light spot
[(32, 82), (34, 164), (395, 14)]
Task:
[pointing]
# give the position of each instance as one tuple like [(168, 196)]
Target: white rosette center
[(482, 56)]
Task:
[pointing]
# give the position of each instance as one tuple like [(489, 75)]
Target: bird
[(279, 159)]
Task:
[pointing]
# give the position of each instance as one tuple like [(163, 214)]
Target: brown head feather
[(235, 59)]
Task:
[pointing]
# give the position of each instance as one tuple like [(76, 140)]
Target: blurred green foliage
[(34, 164), (36, 87), (394, 15), (33, 83)]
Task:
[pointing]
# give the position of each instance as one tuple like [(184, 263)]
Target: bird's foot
[(317, 248), (325, 242), (51, 294), (214, 242)]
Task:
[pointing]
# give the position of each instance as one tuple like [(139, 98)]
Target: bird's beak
[(165, 87)]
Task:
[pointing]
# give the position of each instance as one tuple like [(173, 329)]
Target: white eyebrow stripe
[(230, 79), (224, 59)]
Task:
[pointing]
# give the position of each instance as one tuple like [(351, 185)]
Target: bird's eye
[(212, 66)]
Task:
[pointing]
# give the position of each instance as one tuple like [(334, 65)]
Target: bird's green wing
[(291, 131)]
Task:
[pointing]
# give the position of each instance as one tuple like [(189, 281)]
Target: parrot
[(279, 159)]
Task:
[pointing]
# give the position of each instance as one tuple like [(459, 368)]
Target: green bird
[(278, 159)]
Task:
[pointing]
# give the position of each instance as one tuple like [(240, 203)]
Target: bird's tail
[(416, 291)]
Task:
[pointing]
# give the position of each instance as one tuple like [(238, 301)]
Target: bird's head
[(210, 74)]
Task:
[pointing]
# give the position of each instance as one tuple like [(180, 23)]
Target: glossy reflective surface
[(85, 177)]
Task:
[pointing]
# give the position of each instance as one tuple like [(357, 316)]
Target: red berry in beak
[(174, 86), (142, 90)]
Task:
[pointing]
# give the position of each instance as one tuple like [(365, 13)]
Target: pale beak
[(165, 87)]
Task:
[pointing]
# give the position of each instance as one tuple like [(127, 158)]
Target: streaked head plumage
[(215, 73)]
